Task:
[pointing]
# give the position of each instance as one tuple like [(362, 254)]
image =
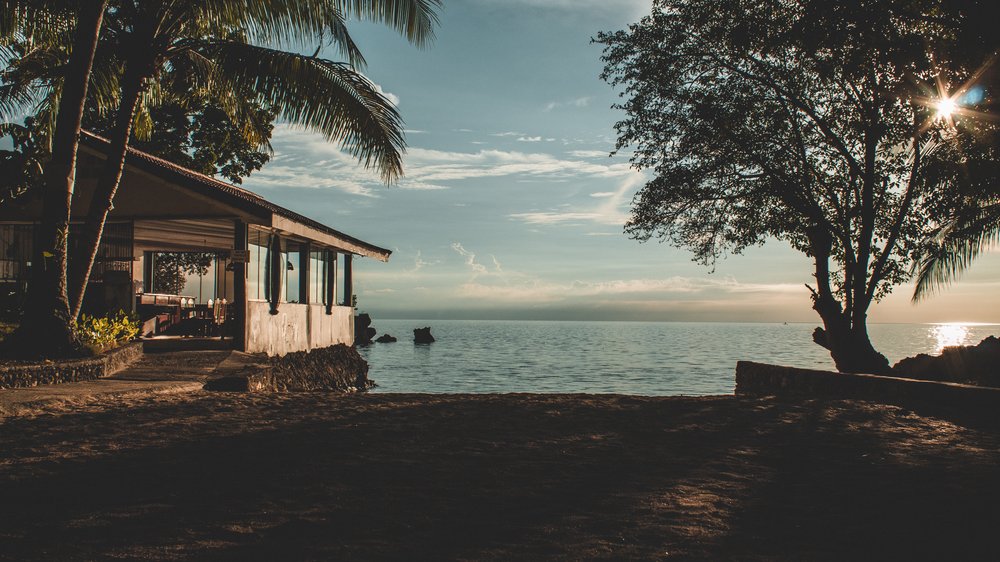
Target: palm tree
[(46, 326), (959, 241), (215, 44), (215, 41)]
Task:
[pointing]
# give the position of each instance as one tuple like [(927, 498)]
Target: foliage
[(809, 122), (199, 135), (170, 269), (5, 329), (21, 167), (100, 334), (971, 169)]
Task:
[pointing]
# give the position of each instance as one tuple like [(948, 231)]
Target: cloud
[(540, 291), (588, 153), (609, 211), (575, 102), (529, 139), (470, 258), (307, 160), (554, 217), (393, 98), (507, 134)]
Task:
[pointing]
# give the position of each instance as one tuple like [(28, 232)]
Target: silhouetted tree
[(803, 121), (170, 270)]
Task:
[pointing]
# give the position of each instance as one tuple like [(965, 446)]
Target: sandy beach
[(494, 477)]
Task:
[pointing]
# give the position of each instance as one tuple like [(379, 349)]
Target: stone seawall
[(24, 374), (952, 400), (335, 368)]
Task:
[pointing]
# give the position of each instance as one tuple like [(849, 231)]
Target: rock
[(422, 335), (363, 332), (337, 368), (386, 338), (973, 364)]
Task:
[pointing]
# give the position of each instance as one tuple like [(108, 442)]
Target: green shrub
[(100, 334), (5, 329)]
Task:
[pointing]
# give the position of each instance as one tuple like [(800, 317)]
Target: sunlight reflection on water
[(947, 335)]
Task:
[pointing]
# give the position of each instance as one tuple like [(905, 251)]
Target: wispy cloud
[(575, 102), (529, 139), (307, 160), (609, 211), (541, 291), (588, 153), (470, 258)]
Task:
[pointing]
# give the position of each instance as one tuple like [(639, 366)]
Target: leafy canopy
[(811, 122)]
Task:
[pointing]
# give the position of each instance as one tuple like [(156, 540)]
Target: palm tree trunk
[(104, 194), (46, 327)]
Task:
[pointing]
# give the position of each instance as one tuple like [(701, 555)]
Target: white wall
[(296, 327)]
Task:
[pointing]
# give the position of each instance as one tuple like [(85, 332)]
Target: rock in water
[(422, 335), (385, 338), (973, 364), (363, 332)]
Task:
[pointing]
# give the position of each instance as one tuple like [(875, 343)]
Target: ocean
[(644, 358)]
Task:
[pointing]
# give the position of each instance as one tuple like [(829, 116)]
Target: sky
[(511, 206)]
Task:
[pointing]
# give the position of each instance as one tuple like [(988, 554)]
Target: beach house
[(194, 257)]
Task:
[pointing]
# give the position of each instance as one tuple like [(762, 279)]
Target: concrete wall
[(961, 402), (296, 327)]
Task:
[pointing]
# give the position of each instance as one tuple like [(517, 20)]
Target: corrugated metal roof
[(225, 192)]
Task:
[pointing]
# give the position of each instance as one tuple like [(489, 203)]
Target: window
[(318, 277), (257, 244), (291, 257), (257, 268), (15, 252)]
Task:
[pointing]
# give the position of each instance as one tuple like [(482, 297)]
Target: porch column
[(305, 266), (240, 286), (348, 281), (147, 272), (329, 265)]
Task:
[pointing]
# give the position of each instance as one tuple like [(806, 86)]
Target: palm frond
[(957, 244), (322, 95), (414, 19)]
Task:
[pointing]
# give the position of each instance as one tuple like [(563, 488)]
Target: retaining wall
[(952, 400), (23, 374)]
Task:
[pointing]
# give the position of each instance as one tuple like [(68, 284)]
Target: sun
[(946, 107)]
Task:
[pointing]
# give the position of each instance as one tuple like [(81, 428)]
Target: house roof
[(240, 198)]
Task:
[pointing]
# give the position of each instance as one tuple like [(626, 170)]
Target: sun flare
[(946, 107)]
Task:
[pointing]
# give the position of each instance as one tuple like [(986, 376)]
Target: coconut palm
[(221, 45), (46, 325), (959, 241)]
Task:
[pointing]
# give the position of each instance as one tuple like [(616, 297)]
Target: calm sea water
[(647, 358)]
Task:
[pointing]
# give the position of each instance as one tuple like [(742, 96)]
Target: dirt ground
[(494, 477)]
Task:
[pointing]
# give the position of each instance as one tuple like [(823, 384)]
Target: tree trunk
[(848, 343), (46, 327), (104, 194), (845, 332)]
